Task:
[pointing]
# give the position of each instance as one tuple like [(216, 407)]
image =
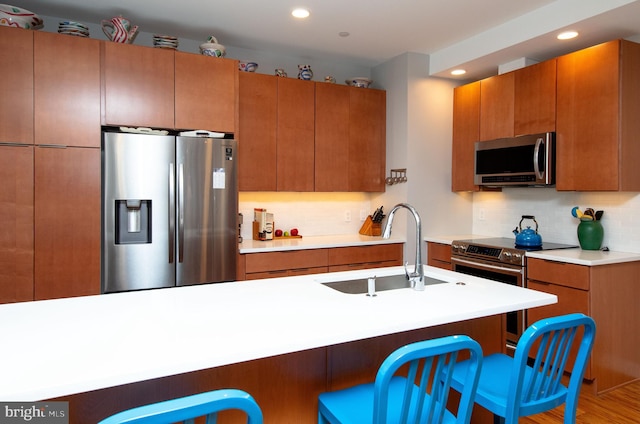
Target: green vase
[(590, 234)]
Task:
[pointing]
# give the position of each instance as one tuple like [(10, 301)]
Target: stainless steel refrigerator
[(169, 211)]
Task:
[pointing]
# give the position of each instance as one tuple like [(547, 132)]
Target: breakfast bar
[(282, 339)]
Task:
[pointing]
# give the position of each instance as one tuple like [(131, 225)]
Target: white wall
[(419, 125)]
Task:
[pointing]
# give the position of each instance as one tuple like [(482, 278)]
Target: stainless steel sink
[(392, 282)]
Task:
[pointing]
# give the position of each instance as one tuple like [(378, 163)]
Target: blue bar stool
[(186, 409), (412, 395), (510, 388)]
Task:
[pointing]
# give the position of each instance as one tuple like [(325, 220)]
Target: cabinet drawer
[(365, 265), (438, 252), (563, 274), (365, 254), (294, 259)]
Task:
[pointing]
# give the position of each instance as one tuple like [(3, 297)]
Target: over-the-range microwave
[(526, 160)]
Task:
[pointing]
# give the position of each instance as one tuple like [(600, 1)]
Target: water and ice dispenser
[(133, 221)]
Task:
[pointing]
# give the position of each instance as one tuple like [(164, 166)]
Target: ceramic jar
[(305, 72), (280, 72), (590, 235)]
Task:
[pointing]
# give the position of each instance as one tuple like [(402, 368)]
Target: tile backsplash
[(313, 214), (498, 213)]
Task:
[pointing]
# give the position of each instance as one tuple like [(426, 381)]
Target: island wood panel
[(67, 90), (466, 131), (497, 106), (138, 86), (205, 90), (16, 218), (367, 139), (332, 137), (295, 133), (285, 386), (257, 128), (16, 101), (535, 98), (67, 222)]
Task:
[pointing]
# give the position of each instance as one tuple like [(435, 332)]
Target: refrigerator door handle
[(172, 209), (180, 212)]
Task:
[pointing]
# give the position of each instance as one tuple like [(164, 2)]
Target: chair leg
[(497, 419)]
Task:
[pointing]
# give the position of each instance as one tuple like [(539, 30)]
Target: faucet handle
[(406, 271)]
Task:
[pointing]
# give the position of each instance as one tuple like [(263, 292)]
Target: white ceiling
[(476, 34)]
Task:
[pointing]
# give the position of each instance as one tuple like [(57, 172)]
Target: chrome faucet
[(417, 276)]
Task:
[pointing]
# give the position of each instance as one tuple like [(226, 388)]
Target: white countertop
[(574, 256), (314, 242), (60, 347), (585, 257)]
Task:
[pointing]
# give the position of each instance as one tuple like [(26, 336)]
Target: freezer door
[(207, 200), (138, 212)]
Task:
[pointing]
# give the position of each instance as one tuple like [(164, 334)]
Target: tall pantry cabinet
[(52, 213)]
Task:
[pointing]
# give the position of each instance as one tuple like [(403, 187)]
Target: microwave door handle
[(536, 153)]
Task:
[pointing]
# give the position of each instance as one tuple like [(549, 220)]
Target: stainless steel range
[(500, 260)]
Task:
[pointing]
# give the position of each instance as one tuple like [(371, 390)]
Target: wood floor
[(619, 406)]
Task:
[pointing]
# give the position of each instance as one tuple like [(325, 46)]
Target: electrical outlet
[(363, 215), (481, 214), (347, 216)]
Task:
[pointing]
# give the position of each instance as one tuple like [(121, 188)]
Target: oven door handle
[(486, 266)]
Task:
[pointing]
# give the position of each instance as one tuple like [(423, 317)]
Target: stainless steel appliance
[(169, 210), (500, 260), (526, 160)]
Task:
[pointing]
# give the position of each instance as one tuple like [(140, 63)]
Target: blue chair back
[(426, 388), (538, 387), (186, 409)]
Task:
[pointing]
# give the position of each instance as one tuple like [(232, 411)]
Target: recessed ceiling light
[(567, 35), (458, 72), (300, 13), (343, 34)]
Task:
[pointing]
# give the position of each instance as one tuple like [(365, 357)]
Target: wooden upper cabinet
[(466, 131), (332, 137), (497, 107), (16, 101), (16, 218), (295, 132), (535, 98), (205, 89), (67, 222), (138, 86), (367, 139), (597, 118), (257, 105), (66, 90)]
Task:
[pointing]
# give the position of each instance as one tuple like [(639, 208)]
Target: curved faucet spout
[(417, 276)]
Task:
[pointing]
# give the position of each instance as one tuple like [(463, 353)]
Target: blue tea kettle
[(527, 237)]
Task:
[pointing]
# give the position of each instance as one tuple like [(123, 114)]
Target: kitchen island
[(282, 339)]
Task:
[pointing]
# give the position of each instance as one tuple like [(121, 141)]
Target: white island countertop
[(60, 347)]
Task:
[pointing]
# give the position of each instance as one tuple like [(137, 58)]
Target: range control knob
[(517, 257), (507, 256)]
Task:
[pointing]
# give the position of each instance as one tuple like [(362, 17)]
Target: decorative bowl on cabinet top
[(20, 18)]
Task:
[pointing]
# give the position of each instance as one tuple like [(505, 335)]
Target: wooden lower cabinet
[(16, 220), (67, 222), (285, 386), (607, 293), (316, 261), (439, 255)]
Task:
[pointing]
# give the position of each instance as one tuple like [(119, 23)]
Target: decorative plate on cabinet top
[(20, 18), (359, 82)]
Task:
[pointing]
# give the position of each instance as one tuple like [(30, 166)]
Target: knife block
[(370, 228)]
